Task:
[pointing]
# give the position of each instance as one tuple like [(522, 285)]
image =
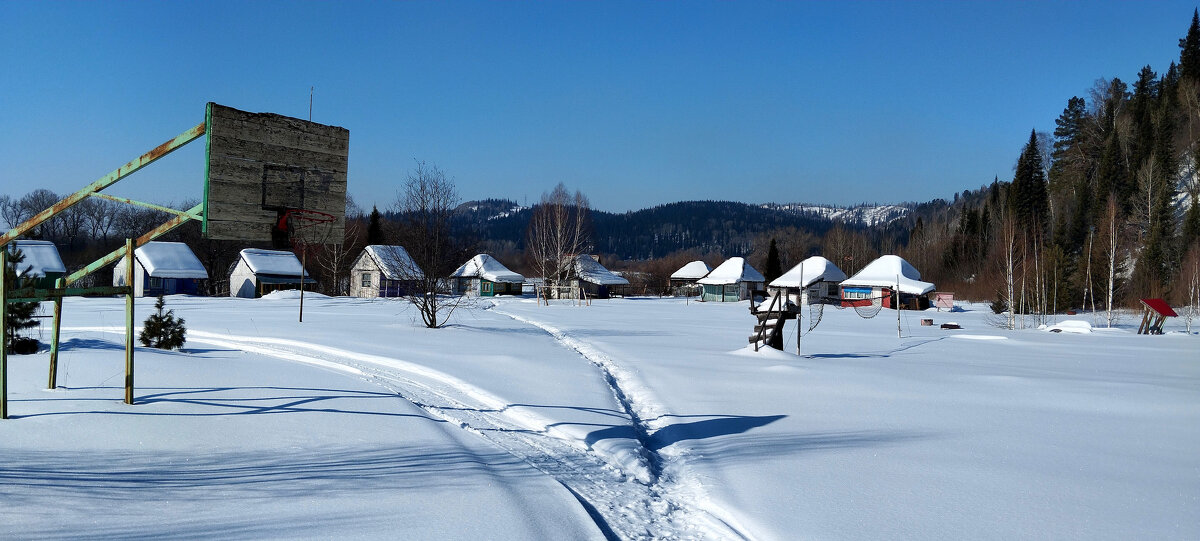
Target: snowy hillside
[(626, 419), (864, 215)]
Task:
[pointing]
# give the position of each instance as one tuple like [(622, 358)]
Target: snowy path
[(626, 495)]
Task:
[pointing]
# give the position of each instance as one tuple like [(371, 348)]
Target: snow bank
[(1073, 326), (291, 294)]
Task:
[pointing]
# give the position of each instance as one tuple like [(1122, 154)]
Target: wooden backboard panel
[(263, 164)]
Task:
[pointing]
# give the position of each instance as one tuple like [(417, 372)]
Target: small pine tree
[(19, 316), (774, 266), (163, 330)]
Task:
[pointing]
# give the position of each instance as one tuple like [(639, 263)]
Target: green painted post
[(129, 322), (3, 332), (58, 301)]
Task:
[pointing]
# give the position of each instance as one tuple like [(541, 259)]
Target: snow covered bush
[(163, 330)]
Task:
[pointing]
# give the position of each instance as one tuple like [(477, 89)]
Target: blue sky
[(633, 103)]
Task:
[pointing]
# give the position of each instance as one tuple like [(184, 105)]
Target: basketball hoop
[(292, 221)]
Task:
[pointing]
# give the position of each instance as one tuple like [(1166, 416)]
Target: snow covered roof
[(394, 262), (692, 271), (590, 270), (169, 260), (815, 269), (41, 257), (486, 267), (732, 271), (275, 262), (885, 271)]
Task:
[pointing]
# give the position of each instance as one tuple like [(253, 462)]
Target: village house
[(162, 268), (734, 280), (258, 272), (879, 281), (484, 276), (593, 279), (815, 280), (42, 262), (384, 271), (685, 278)]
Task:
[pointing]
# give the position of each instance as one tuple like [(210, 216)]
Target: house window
[(366, 279), (856, 293), (156, 283)]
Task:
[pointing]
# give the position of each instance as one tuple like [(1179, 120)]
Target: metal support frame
[(61, 288)]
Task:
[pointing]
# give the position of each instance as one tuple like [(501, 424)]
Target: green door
[(485, 289)]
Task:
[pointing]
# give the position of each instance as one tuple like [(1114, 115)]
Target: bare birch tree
[(1112, 246), (426, 206), (1189, 276), (558, 231), (1008, 243)]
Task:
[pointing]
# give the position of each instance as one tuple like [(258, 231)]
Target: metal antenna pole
[(310, 96), (3, 332), (897, 307)]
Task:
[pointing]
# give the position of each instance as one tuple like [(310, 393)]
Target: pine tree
[(774, 267), (375, 227), (1030, 200), (163, 330), (19, 316), (1189, 53)]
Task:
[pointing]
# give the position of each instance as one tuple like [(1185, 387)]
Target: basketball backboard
[(262, 165)]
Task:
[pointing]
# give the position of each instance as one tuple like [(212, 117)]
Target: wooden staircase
[(772, 315)]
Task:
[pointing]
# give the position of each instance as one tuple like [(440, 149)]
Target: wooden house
[(258, 272), (42, 262), (593, 279), (483, 276), (881, 280), (815, 280), (162, 268), (685, 278), (384, 271), (734, 280)]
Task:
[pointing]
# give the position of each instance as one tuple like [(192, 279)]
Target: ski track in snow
[(626, 500)]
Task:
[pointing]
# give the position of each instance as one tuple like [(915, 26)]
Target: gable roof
[(815, 269), (169, 260), (732, 271), (591, 271), (393, 262), (272, 262), (486, 267), (41, 257), (885, 271), (692, 271)]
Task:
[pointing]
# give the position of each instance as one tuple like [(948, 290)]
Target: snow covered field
[(629, 418)]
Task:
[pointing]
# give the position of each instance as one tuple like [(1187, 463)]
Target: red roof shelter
[(1155, 312)]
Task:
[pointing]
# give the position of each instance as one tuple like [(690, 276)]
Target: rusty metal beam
[(38, 295), (105, 181), (112, 257), (151, 206)]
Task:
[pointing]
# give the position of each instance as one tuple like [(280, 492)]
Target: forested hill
[(726, 227)]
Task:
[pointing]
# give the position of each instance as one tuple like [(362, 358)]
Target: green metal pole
[(58, 301), (129, 321), (3, 332)]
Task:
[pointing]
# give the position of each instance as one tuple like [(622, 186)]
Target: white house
[(258, 272), (42, 261), (733, 280), (881, 278), (384, 271), (594, 279), (816, 276), (162, 268), (485, 277)]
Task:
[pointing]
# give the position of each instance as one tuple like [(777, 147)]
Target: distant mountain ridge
[(729, 227)]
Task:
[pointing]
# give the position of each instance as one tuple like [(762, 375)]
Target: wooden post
[(3, 332), (58, 302), (129, 322)]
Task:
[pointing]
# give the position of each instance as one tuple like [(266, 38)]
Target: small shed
[(687, 275), (42, 262), (258, 272), (484, 276), (814, 281), (594, 279), (162, 268), (734, 280), (1154, 313), (383, 270), (880, 280)]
